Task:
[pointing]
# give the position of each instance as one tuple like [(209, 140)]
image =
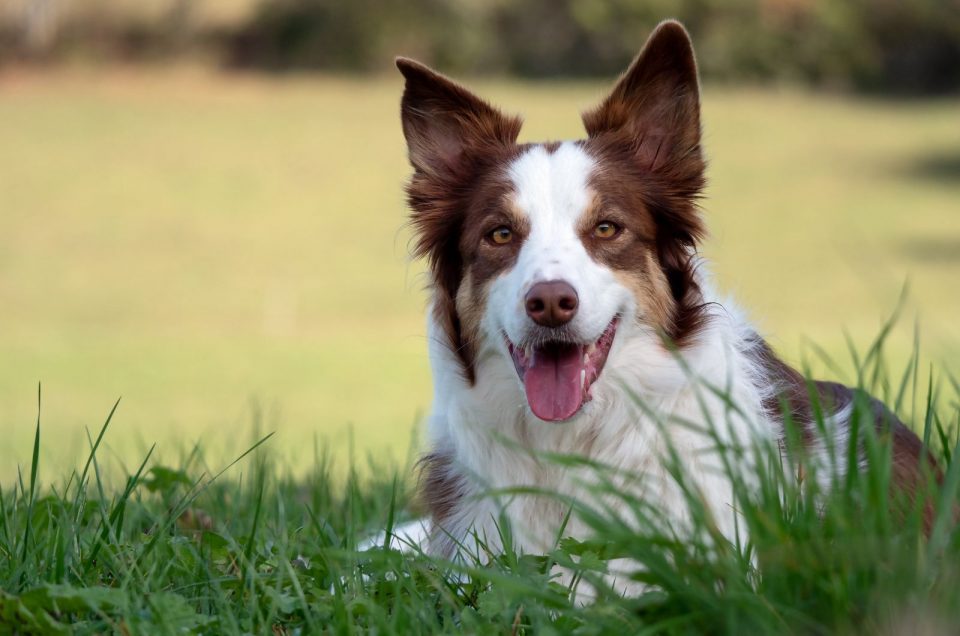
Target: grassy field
[(243, 548), (227, 252)]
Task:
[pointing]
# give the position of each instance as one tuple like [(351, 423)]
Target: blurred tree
[(41, 18), (896, 46), (354, 35)]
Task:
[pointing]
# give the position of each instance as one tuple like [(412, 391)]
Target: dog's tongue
[(552, 381)]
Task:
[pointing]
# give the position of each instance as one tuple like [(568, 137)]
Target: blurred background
[(201, 202)]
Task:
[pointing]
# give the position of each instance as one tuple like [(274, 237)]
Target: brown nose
[(552, 304)]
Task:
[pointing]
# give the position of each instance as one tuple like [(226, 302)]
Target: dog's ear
[(444, 123), (655, 106)]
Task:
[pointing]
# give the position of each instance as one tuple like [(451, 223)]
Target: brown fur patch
[(469, 308), (804, 403), (484, 260), (493, 206), (456, 142), (551, 146), (441, 487), (656, 102), (631, 256), (645, 137)]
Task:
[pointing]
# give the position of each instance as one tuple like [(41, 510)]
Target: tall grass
[(247, 548)]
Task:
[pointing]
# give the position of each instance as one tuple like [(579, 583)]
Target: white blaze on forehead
[(552, 187), (552, 190)]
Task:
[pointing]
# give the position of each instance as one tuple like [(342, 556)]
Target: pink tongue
[(552, 382)]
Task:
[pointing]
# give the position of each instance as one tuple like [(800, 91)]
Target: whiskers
[(540, 336)]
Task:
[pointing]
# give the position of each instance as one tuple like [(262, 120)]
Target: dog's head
[(549, 253)]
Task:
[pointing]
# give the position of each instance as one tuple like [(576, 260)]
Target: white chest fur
[(652, 410)]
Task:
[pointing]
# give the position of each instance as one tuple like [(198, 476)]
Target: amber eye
[(606, 229), (502, 235)]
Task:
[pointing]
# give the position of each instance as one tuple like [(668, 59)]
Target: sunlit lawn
[(203, 243)]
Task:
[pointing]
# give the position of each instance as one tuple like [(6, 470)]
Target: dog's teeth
[(583, 378), (591, 348), (586, 358)]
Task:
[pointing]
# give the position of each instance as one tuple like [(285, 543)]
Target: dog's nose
[(552, 303)]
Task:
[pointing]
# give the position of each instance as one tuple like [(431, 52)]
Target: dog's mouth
[(557, 375)]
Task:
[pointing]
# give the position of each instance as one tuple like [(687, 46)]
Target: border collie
[(567, 292)]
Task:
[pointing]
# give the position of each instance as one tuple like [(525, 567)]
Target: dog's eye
[(606, 229), (502, 235)]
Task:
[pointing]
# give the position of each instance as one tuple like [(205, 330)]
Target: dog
[(571, 314)]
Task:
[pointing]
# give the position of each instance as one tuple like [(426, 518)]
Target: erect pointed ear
[(443, 122), (656, 103)]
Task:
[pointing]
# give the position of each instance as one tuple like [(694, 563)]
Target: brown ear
[(655, 105), (443, 122)]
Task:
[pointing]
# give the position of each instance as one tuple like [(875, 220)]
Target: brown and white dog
[(567, 291)]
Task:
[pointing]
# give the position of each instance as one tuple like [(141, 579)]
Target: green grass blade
[(34, 467)]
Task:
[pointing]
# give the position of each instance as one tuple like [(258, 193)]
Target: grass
[(200, 242), (249, 548)]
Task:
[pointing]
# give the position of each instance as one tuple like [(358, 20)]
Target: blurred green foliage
[(895, 46)]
